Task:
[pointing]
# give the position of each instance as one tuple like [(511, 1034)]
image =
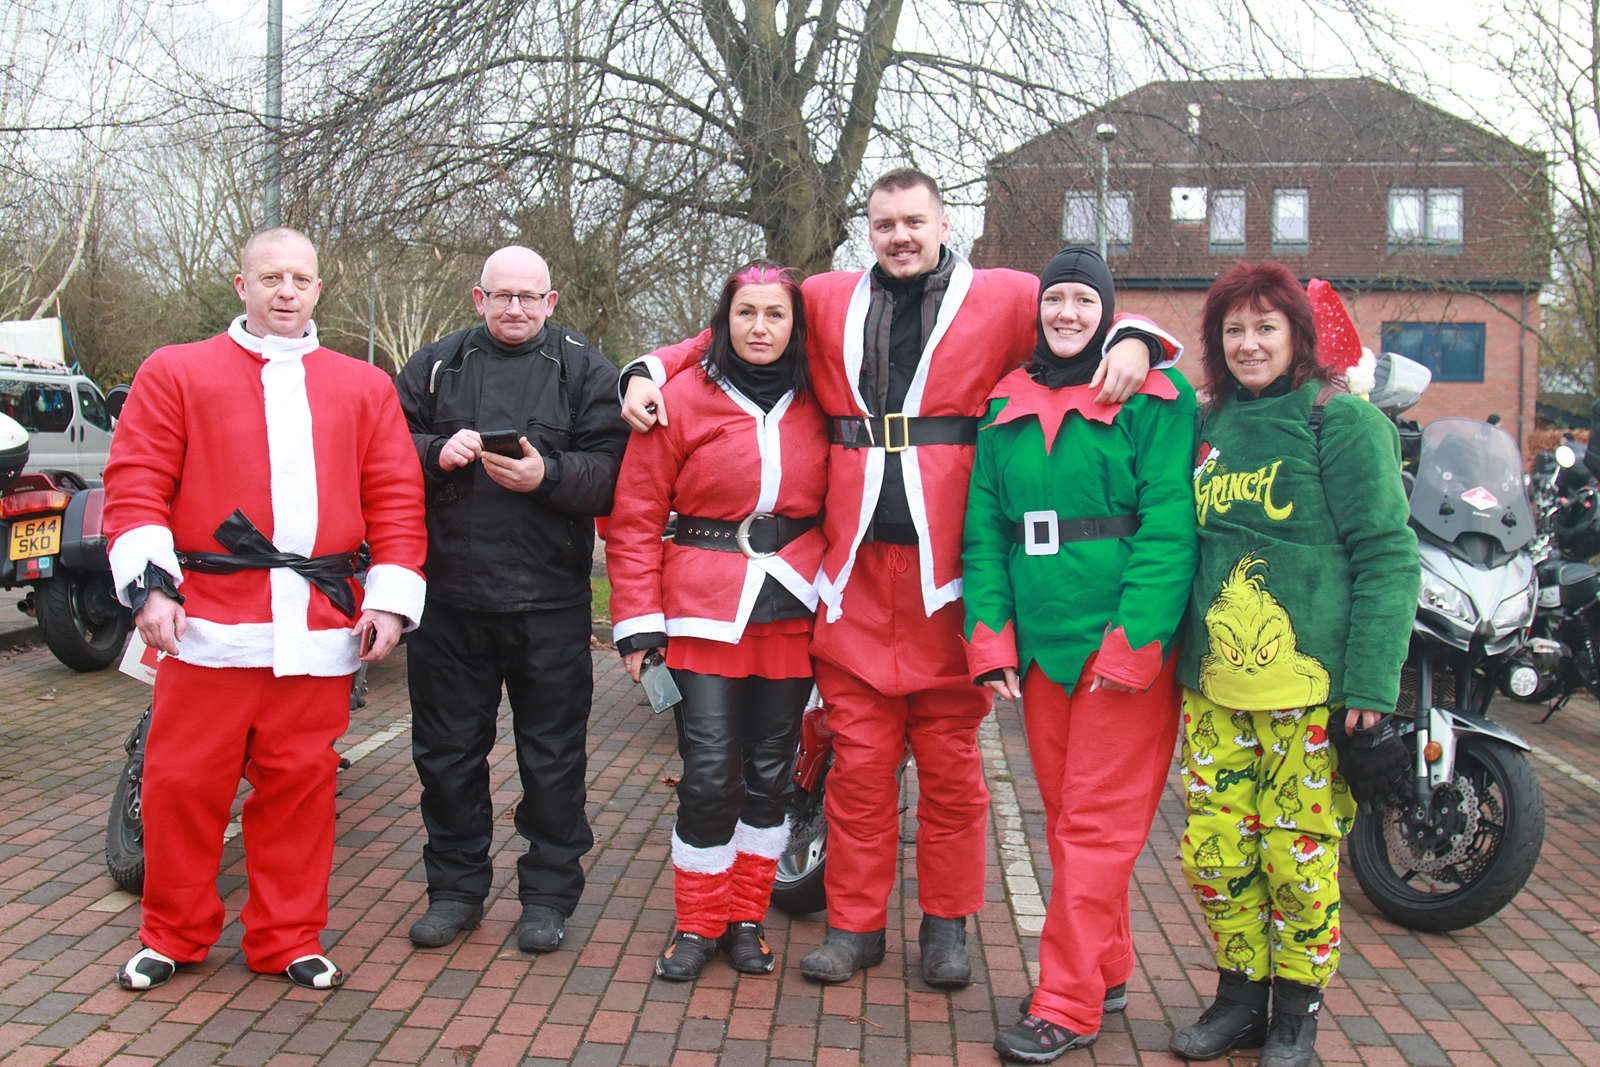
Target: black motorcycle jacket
[(489, 548)]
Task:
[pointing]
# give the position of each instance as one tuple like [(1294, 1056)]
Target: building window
[(1227, 221), (1291, 220), (1188, 203), (1078, 221), (1453, 351), (1425, 220)]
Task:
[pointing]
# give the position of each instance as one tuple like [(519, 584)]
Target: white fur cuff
[(135, 549), (713, 860), (639, 624), (768, 842), (396, 589)]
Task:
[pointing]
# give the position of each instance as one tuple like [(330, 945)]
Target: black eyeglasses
[(501, 301)]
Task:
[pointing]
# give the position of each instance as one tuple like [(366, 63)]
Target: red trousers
[(891, 676), (1101, 760), (210, 726)]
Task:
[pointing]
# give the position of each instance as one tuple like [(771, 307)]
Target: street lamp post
[(1105, 133), (272, 194)]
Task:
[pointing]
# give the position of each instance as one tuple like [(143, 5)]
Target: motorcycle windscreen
[(1469, 480)]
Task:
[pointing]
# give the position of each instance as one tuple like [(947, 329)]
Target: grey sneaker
[(540, 929), (443, 920)]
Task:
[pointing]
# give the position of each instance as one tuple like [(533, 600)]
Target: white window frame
[(1227, 205), (1119, 220), (1188, 203), (1426, 236), (1281, 197)]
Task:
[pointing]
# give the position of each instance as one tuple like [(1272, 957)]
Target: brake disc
[(1429, 860)]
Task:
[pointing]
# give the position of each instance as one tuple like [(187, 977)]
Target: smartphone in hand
[(502, 443)]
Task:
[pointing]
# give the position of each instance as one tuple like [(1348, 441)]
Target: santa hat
[(1316, 738), (1305, 849), (1338, 346)]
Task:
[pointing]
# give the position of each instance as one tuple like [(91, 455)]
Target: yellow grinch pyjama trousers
[(1261, 848)]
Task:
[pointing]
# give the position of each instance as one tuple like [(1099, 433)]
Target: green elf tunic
[(1308, 573), (1057, 450)]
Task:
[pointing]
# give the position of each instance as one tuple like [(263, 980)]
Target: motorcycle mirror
[(1565, 456), (116, 396)]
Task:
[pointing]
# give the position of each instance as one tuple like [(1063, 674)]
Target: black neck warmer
[(492, 344), (1074, 265), (764, 384)]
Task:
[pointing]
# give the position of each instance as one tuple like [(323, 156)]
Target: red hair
[(1265, 286)]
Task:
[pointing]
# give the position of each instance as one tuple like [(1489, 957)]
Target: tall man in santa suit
[(246, 472), (902, 359)]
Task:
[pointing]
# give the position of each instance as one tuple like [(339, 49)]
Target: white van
[(64, 413)]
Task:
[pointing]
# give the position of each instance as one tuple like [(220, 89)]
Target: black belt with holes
[(896, 433), (1070, 530), (764, 534)]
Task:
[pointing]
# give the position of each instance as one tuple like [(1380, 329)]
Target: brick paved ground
[(1520, 989)]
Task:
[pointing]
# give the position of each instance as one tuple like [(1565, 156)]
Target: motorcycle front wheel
[(82, 622), (797, 887), (125, 824), (1495, 810)]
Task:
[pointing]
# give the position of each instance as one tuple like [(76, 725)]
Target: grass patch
[(599, 600)]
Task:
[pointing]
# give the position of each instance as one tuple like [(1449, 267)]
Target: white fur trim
[(397, 589), (271, 347), (769, 842), (1364, 375), (319, 653), (652, 365), (1129, 321), (713, 860), (639, 624), (135, 549), (293, 464)]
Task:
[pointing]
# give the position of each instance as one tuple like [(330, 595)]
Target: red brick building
[(1433, 230)]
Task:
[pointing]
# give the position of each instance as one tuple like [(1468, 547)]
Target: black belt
[(896, 433), (756, 535), (249, 550), (892, 533), (1042, 534)]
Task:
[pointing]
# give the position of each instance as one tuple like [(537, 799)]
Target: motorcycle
[(797, 887), (51, 523), (1462, 839)]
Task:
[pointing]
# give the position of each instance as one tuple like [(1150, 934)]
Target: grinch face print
[(1208, 857), (1253, 660), (1204, 740), (1244, 731), (1289, 805), (1239, 952), (1284, 725), (1309, 858), (1318, 758)]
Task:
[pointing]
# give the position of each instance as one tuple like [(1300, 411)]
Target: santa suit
[(744, 683), (311, 446), (892, 666)]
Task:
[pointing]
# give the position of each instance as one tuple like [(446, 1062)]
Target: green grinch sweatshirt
[(1056, 451), (1308, 573)]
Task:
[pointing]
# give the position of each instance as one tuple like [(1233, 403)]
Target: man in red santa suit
[(247, 470), (902, 358)]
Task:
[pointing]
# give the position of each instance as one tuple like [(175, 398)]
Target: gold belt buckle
[(888, 432)]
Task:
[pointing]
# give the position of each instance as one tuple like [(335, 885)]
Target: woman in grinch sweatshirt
[(1078, 556), (1296, 631)]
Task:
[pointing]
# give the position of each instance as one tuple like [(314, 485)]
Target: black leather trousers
[(737, 737)]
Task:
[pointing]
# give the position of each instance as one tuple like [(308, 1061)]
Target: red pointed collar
[(1024, 397)]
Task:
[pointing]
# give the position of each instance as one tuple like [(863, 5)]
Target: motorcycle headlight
[(1514, 611), (1438, 595)]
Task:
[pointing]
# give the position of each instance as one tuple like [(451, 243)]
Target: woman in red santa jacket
[(730, 597)]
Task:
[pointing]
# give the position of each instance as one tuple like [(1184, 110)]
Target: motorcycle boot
[(685, 956), (443, 920), (945, 964), (1236, 1019), (540, 929), (841, 954), (1292, 1034), (746, 946)]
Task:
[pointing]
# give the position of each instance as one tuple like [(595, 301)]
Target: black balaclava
[(1075, 264), (764, 383)]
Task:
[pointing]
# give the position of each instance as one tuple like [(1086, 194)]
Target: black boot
[(685, 956), (1236, 1019), (1292, 1035), (443, 920), (746, 946), (842, 954), (944, 952)]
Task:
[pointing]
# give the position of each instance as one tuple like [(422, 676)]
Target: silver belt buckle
[(1041, 533), (743, 535)]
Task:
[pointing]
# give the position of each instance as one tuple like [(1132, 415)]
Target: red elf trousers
[(1101, 760), (891, 675), (210, 726)]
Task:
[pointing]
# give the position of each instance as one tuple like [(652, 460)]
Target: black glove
[(1376, 761)]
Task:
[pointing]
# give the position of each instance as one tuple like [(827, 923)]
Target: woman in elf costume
[(1078, 557), (1296, 632), (730, 598)]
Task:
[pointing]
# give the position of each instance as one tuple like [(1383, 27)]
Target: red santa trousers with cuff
[(890, 674), (1101, 760), (209, 726)]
